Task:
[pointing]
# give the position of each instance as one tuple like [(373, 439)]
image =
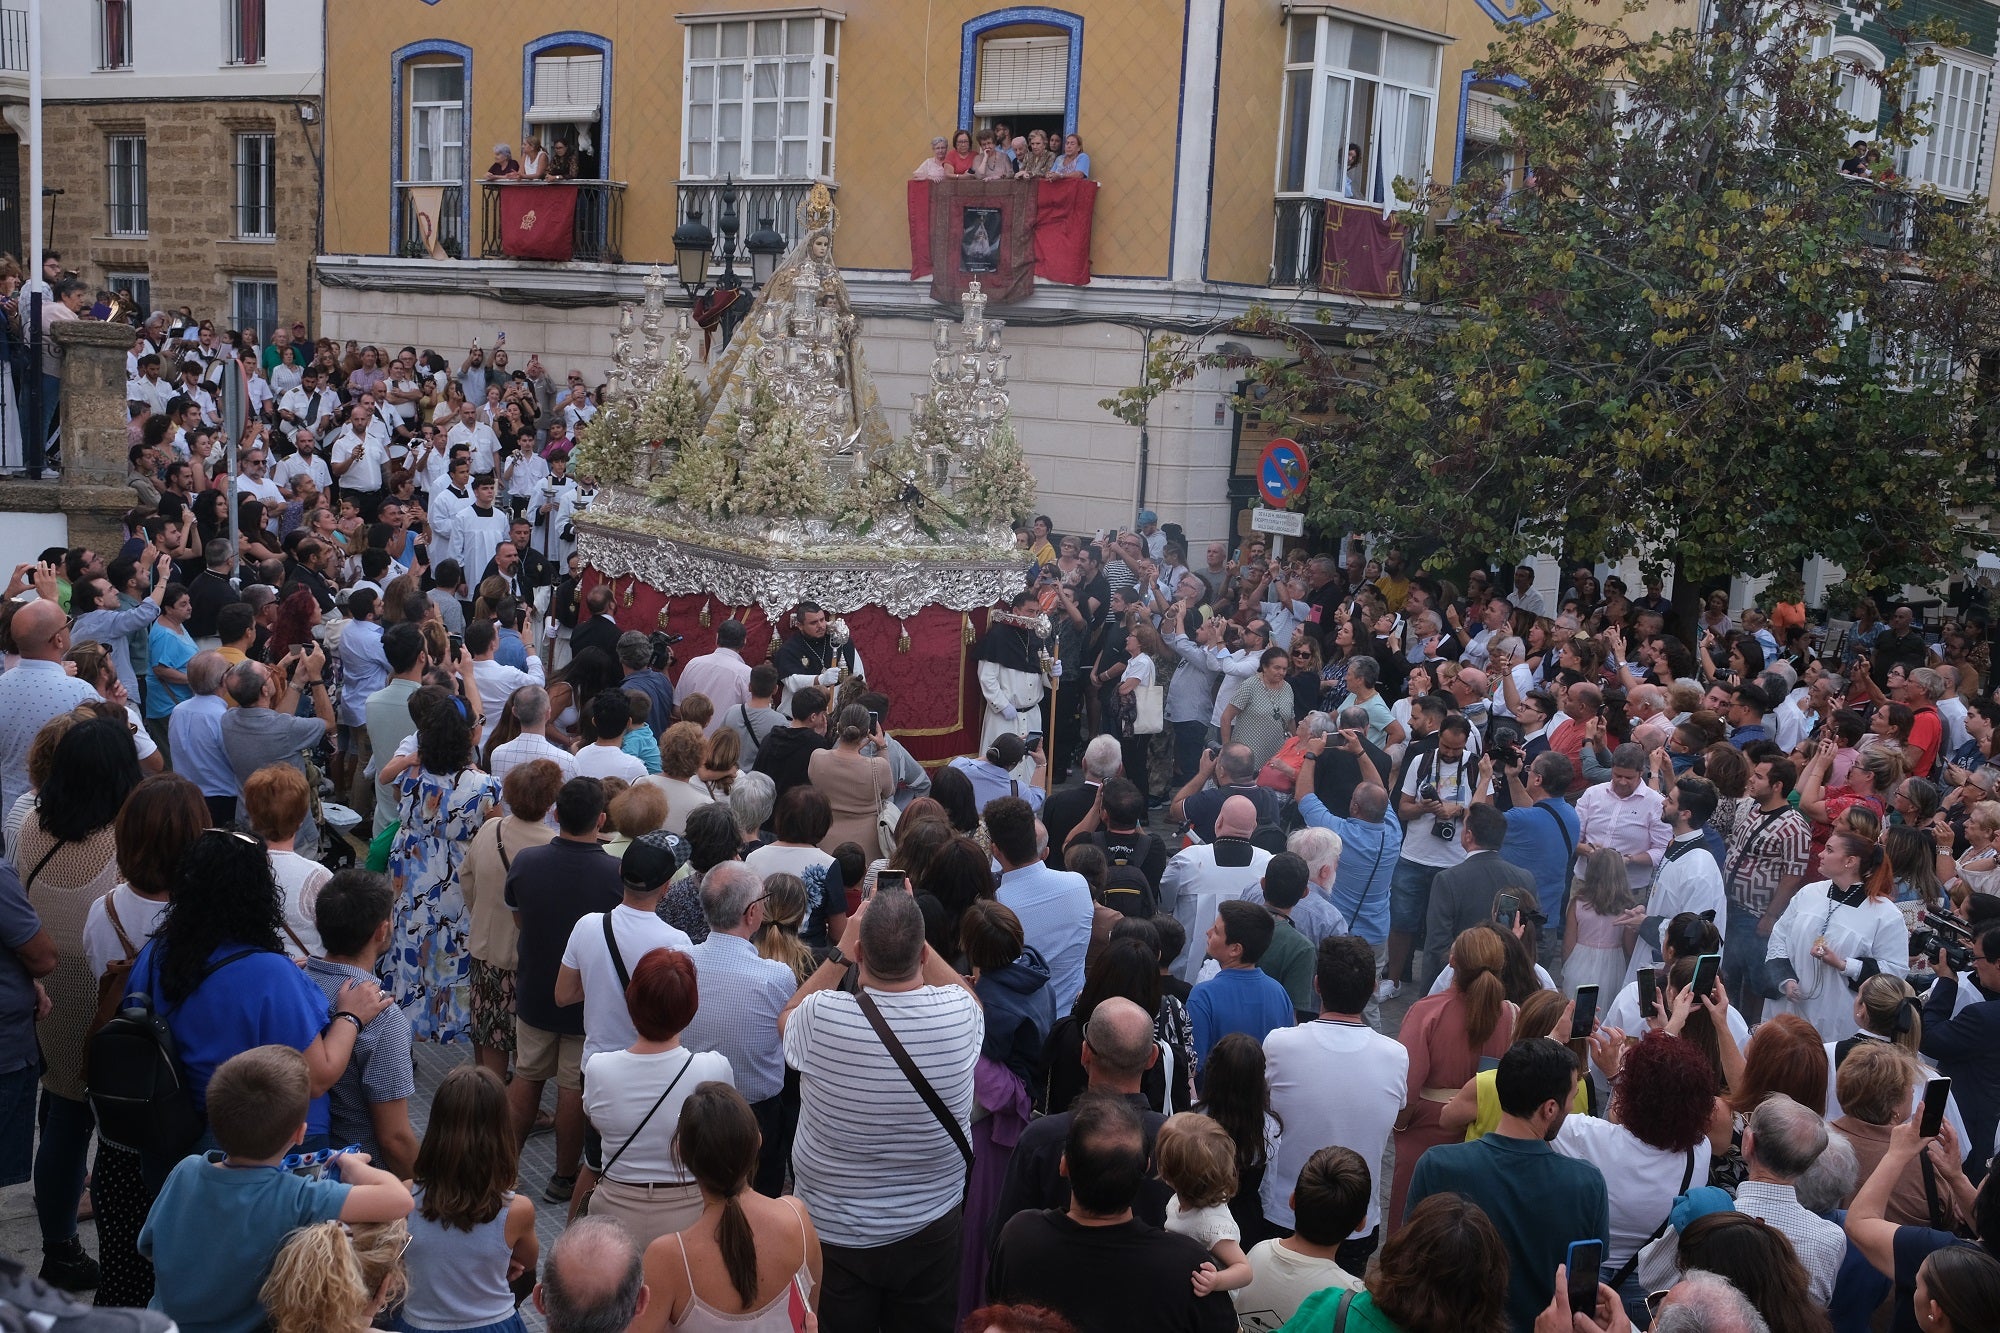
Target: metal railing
[(597, 232), (755, 201), (1902, 220), (14, 41), (412, 242), (1298, 246)]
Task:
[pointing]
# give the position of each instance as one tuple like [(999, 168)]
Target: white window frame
[(256, 181), (802, 120), (421, 115), (1952, 154), (131, 174), (232, 33), (1388, 102), (107, 59), (1866, 101), (237, 290), (139, 284)]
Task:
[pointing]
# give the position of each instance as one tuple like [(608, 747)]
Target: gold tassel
[(965, 626), (666, 605), (631, 588), (902, 637), (705, 618)]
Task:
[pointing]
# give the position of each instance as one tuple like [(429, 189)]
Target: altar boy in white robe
[(1010, 673), (1688, 880)]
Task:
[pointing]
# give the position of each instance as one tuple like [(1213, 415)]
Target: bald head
[(593, 1279), (1474, 682), (1236, 819), (1119, 1046), (40, 629)]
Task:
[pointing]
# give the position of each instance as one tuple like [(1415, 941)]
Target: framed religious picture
[(979, 240)]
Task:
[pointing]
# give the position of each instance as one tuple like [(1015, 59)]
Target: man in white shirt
[(251, 464), (522, 472), (36, 690), (1334, 1080), (476, 435), (597, 963), (309, 406), (1688, 879), (191, 388), (579, 410), (448, 500), (497, 680), (1054, 905), (531, 710), (476, 532), (610, 714), (307, 462), (723, 677), (1524, 595), (148, 387), (742, 995), (358, 454), (1199, 877)]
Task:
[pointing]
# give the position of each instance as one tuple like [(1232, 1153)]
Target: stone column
[(90, 490)]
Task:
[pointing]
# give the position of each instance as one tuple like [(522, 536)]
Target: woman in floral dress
[(444, 801)]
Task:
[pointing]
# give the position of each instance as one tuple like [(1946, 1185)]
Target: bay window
[(1360, 108), (758, 99)]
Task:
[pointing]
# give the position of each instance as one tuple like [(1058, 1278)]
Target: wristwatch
[(837, 958)]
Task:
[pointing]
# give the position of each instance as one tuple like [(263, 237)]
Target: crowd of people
[(996, 153), (1102, 1027)]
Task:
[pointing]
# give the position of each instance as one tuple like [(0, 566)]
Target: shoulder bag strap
[(916, 1077), (1340, 1312), (111, 913), (1736, 869), (41, 865), (1631, 1265), (293, 936), (1569, 847), (499, 841), (617, 959), (756, 741), (605, 1171)]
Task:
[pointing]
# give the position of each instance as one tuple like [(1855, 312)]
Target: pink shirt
[(1629, 825)]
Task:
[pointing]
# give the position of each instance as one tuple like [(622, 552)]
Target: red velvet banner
[(1063, 213), (983, 230), (933, 689), (1363, 252), (920, 229), (538, 221)]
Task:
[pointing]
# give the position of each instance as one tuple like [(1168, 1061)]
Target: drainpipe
[(1145, 439)]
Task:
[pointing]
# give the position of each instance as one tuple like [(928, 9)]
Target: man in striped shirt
[(531, 710), (881, 1174)]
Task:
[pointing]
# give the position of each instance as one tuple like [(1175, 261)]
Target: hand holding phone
[(1706, 969), (1937, 1092), (1583, 1022), (1649, 992), (1581, 1266)]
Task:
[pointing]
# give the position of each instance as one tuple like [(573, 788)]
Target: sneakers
[(1387, 990), (28, 1305), (69, 1266), (559, 1189)]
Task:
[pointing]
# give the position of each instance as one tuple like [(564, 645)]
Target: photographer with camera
[(1432, 800), (1965, 1042)]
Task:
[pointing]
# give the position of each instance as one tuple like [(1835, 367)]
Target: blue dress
[(428, 966)]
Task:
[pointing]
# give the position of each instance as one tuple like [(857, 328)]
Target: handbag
[(917, 1080), (1149, 710)]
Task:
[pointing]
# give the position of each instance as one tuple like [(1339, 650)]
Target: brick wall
[(188, 251)]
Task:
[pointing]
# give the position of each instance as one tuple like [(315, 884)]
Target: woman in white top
[(534, 159), (1144, 651), (285, 376), (275, 803), (1655, 1144), (1836, 934), (746, 1260), (634, 1098)]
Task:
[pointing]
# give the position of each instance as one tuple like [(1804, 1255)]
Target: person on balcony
[(504, 165), (563, 164), (961, 156), (1074, 164), (534, 162), (990, 163), (934, 167), (1036, 162)]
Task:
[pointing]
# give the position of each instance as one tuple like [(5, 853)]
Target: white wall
[(178, 50), (24, 536)]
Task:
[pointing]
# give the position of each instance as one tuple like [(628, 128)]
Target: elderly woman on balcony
[(504, 164), (990, 163), (1037, 160), (933, 168), (1074, 162)]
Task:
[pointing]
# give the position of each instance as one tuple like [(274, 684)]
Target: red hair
[(1666, 1093), (1015, 1319), (1785, 1055), (662, 994)]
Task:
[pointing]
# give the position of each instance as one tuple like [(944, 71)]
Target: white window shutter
[(567, 88), (1022, 76)]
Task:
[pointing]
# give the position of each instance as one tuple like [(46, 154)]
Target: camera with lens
[(1940, 934), (663, 648), (1505, 746), (1427, 791), (1446, 829)]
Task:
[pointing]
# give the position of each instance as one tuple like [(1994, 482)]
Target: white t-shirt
[(299, 883), (139, 916), (1455, 780), (1142, 670), (1332, 1084), (608, 761), (778, 859), (607, 1023), (619, 1087), (1208, 1225), (1280, 1282), (1642, 1182), (684, 797)]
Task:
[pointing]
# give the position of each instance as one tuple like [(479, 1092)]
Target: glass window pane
[(798, 78), (729, 83), (701, 84), (729, 120), (1416, 137), (1304, 29), (701, 41), (763, 120), (701, 122), (764, 79), (1364, 54), (735, 39), (798, 37), (1339, 42), (698, 158), (770, 37), (831, 46), (764, 157), (1333, 138), (1298, 125), (795, 157), (796, 122), (1411, 61)]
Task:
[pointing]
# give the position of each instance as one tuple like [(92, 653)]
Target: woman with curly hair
[(1444, 1235), (1655, 1145)]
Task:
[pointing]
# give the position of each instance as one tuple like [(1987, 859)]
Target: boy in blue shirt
[(1241, 997), (640, 742), (222, 1216)]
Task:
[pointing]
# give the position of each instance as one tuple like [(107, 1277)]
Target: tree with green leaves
[(1685, 334)]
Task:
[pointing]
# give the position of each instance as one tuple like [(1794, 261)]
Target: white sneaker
[(1387, 990)]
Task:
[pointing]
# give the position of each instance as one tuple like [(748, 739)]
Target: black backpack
[(135, 1081), (1125, 884)]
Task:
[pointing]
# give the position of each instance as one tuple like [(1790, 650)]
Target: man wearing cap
[(1000, 771), (605, 946), (550, 889), (1149, 528), (1746, 715)]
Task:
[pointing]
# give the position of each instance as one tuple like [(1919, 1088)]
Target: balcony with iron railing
[(757, 202), (431, 219), (14, 52), (597, 227)]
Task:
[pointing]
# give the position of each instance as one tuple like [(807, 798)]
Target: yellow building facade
[(1217, 132)]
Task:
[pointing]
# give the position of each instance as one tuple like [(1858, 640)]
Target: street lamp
[(766, 248), (693, 242)]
